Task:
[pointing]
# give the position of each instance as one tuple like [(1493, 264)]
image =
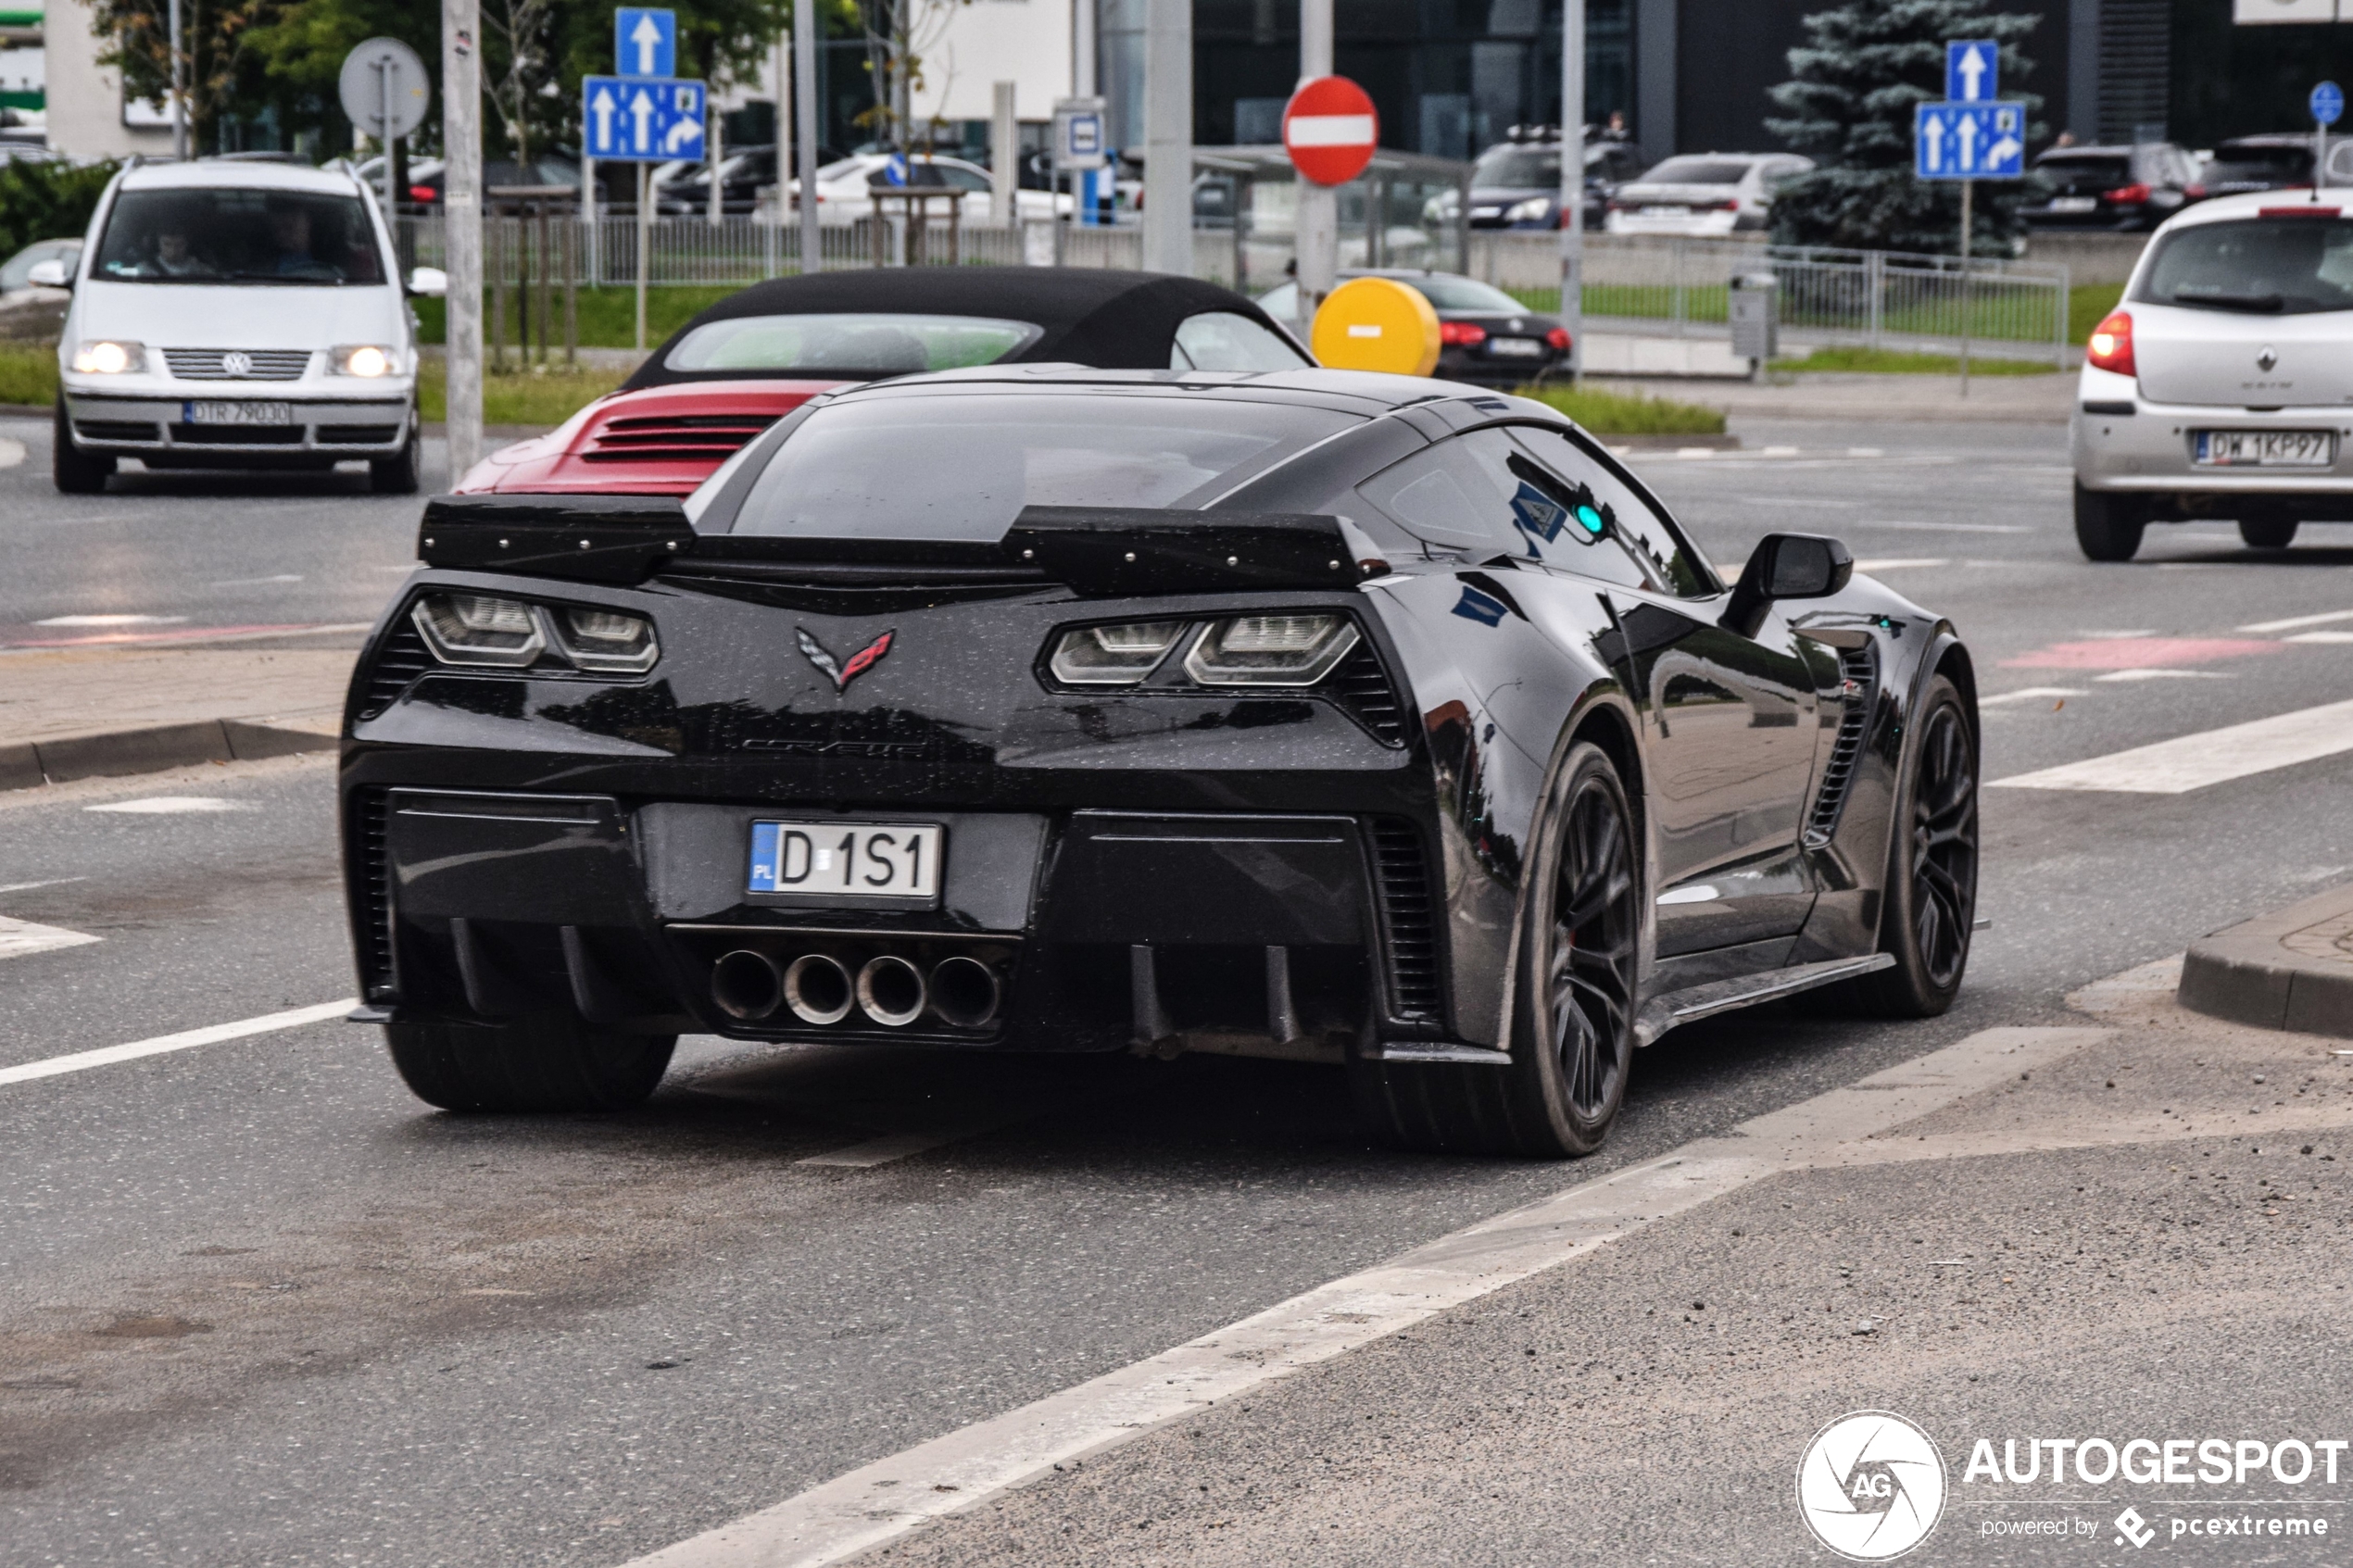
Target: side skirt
[(1662, 1013)]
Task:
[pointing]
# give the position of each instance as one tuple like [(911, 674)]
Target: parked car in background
[(15, 273), (2278, 162), (1704, 193), (2218, 387), (427, 177), (845, 187), (2128, 189), (1485, 336), (757, 356), (1516, 184)]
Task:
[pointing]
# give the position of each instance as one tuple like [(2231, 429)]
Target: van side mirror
[(1786, 565), (53, 273), (429, 280)]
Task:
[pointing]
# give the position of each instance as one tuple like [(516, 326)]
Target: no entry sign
[(1330, 130)]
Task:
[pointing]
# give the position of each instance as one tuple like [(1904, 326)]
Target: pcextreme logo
[(1871, 1486)]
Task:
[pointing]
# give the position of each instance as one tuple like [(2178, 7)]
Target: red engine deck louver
[(673, 437)]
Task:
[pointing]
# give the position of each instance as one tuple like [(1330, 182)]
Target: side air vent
[(1408, 915), (673, 437), (1361, 686), (400, 661), (1859, 669), (372, 873)]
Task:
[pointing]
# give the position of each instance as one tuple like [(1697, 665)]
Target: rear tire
[(2109, 527), (74, 471), (395, 475), (549, 1063), (2267, 531), (1929, 908), (1572, 1026)]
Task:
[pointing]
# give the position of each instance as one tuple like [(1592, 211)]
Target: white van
[(234, 315)]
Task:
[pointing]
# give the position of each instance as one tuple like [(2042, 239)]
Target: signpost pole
[(1316, 241), (645, 241), (1572, 198), (804, 95), (391, 143), (178, 92), (461, 225), (1968, 188), (1168, 137)]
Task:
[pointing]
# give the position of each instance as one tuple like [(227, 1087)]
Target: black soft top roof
[(1110, 320)]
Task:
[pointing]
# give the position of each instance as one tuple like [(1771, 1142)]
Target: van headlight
[(109, 357), (1270, 650), (366, 361)]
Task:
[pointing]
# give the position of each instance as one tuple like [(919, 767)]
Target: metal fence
[(1656, 284)]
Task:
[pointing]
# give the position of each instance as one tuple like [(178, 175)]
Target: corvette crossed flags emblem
[(865, 659)]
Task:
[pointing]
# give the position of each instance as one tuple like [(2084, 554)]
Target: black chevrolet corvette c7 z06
[(1348, 718)]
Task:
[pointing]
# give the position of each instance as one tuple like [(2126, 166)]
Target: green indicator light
[(1589, 519)]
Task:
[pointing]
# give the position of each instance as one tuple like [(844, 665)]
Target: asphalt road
[(258, 1306)]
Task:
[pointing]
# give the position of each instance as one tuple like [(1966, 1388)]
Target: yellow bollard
[(1376, 324)]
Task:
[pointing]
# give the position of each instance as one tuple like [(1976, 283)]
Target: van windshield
[(228, 235)]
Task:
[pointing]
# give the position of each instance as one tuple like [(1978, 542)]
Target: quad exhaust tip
[(965, 992), (890, 991), (747, 985), (818, 990)]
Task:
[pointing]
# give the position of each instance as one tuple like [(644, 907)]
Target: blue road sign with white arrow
[(644, 43), (630, 120), (2327, 103), (1972, 70), (1969, 141)]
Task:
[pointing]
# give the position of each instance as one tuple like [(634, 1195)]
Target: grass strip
[(29, 373), (1890, 362), (1619, 413), (547, 397)]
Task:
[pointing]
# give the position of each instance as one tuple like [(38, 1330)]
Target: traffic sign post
[(1329, 129), (2327, 106), (1078, 149), (1972, 70), (643, 121), (644, 43), (1968, 141), (383, 91)]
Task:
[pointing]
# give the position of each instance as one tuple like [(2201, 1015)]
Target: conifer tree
[(1848, 105)]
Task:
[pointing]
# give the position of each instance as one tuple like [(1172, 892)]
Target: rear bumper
[(1269, 933), (2148, 449), (158, 427)]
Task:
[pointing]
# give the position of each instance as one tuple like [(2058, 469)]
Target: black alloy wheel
[(1930, 907), (1571, 1032), (551, 1063)]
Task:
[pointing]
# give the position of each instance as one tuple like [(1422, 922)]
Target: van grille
[(1858, 667), (258, 364), (1408, 916)]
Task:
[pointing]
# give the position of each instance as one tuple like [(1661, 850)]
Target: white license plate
[(1516, 348), (237, 412), (1658, 209), (837, 860), (2075, 203), (2262, 448)]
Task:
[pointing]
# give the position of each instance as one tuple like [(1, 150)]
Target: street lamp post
[(461, 226), (1572, 202), (1315, 240), (179, 97), (804, 54)]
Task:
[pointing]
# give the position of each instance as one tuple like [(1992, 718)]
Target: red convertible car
[(757, 356)]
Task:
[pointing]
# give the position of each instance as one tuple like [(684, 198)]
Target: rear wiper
[(2258, 302)]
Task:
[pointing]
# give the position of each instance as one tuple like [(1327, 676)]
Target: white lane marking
[(1945, 527), (19, 937), (880, 1151), (878, 1503), (1695, 451), (1777, 452), (2212, 756), (2293, 622), (112, 620), (2027, 693), (1864, 452), (53, 882), (171, 805), (2140, 673), (106, 1056), (2129, 632), (1900, 563), (11, 454), (257, 581), (2319, 637)]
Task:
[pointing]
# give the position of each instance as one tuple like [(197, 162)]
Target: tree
[(47, 199), (218, 71), (1849, 103)]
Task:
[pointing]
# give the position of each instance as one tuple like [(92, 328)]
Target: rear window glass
[(1697, 171), (877, 344), (2234, 166), (1518, 167), (1450, 292), (2265, 265), (1225, 340), (963, 465), (2085, 173), (217, 235)]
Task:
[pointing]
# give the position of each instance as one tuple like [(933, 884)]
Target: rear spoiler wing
[(1096, 551)]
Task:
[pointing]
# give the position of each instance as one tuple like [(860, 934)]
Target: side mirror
[(1786, 565), (53, 273), (430, 281)]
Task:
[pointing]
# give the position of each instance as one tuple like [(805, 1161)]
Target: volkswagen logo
[(2267, 358), (238, 363)]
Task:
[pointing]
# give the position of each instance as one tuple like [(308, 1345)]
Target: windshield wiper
[(260, 277), (2221, 301)]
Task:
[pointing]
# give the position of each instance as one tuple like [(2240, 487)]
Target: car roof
[(208, 173), (1366, 393), (1090, 315), (2223, 209), (2300, 140)]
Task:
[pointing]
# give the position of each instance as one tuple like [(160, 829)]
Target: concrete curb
[(27, 764), (2292, 970)]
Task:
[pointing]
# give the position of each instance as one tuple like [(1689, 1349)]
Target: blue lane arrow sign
[(1969, 141), (632, 120), (1972, 70), (645, 41), (2327, 103)]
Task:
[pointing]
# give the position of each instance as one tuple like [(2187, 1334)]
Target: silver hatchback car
[(2222, 385)]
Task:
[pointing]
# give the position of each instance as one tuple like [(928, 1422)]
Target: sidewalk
[(79, 713), (1844, 398)]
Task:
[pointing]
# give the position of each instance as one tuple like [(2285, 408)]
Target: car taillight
[(1114, 656), (2194, 193), (1617, 206), (1270, 650), (2110, 348), (1462, 334), (1728, 204), (2124, 195), (1558, 338), (421, 192)]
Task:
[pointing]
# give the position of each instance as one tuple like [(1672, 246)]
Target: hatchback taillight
[(2127, 195), (2110, 346)]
